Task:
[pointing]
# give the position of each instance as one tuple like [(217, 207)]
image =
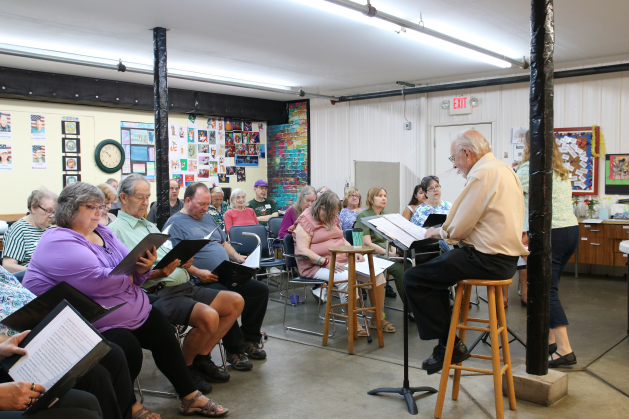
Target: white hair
[(233, 196), (473, 141)]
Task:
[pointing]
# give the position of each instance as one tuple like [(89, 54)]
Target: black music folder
[(435, 220), (128, 265), (233, 274), (33, 313), (183, 251), (57, 363)]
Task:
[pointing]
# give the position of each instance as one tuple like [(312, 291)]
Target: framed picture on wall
[(70, 127), (71, 163), (575, 147), (68, 179), (71, 145)]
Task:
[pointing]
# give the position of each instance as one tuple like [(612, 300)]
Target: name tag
[(267, 206)]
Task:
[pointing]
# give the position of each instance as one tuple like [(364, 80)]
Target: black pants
[(158, 336), (75, 404), (111, 383), (256, 296), (427, 285), (564, 242)]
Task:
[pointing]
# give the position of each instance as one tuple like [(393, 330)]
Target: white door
[(452, 183)]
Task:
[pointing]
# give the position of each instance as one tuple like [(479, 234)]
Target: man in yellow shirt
[(486, 221)]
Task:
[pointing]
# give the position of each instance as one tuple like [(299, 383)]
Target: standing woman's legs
[(564, 243)]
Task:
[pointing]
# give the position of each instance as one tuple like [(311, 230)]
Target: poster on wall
[(617, 174), (5, 124), (6, 157), (38, 127), (575, 146), (517, 135), (138, 140), (38, 161)]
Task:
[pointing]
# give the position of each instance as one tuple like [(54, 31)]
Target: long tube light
[(370, 15), (109, 64)]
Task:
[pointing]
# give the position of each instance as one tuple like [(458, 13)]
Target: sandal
[(209, 409), (386, 326), (362, 333), (143, 413)]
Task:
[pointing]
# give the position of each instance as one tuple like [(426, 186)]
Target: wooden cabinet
[(598, 243)]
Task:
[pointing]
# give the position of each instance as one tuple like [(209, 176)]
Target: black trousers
[(75, 404), (427, 285), (256, 296), (158, 336), (564, 242), (111, 383)]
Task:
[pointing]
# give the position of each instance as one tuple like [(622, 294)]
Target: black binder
[(435, 220), (128, 265), (183, 251), (33, 313), (65, 383), (233, 274)]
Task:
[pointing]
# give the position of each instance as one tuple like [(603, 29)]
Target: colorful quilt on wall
[(288, 156)]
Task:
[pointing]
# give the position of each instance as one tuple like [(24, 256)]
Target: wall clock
[(109, 156)]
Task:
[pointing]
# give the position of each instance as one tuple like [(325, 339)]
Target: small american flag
[(39, 147)]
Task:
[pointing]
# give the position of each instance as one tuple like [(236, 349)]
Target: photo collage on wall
[(575, 146), (138, 141), (208, 149), (6, 149), (70, 145)]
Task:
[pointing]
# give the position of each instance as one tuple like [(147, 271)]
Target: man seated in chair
[(193, 222), (210, 313), (486, 220)]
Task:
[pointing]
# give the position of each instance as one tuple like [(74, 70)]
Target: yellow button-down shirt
[(489, 212)]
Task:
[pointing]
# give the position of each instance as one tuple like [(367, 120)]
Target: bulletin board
[(575, 146), (138, 141), (617, 174)]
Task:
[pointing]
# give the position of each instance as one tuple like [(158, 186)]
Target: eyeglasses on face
[(94, 207), (451, 158), (48, 212), (436, 188), (353, 196)]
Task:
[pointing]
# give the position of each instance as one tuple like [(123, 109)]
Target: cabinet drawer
[(596, 251), (618, 231), (620, 259), (593, 231)]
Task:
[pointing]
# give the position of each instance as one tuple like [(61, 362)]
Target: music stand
[(406, 390)]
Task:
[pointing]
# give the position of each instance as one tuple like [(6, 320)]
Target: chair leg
[(495, 350), (140, 390), (328, 303), (467, 293), (443, 384), (351, 305), (374, 297), (506, 351)]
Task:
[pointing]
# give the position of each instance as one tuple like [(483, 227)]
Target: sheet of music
[(412, 229), (393, 231), (379, 266)]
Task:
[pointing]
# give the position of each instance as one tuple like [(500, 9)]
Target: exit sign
[(460, 106)]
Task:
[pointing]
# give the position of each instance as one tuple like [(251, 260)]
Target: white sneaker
[(320, 294), (275, 271)]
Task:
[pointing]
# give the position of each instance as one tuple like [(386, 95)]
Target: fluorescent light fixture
[(191, 75), (453, 48), (349, 14)]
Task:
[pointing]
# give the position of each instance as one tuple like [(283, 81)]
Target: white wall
[(373, 130)]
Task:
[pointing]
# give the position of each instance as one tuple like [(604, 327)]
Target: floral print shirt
[(219, 216), (13, 296), (424, 210)]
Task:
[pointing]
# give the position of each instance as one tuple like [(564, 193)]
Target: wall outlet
[(407, 125)]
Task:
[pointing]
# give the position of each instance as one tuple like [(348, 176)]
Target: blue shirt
[(424, 210), (348, 218)]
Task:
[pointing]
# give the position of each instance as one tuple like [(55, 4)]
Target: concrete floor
[(301, 379)]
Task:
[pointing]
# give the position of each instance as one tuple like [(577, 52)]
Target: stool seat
[(485, 282), (352, 249)]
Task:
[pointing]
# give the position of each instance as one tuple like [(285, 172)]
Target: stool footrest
[(502, 371), (339, 315), (480, 370), (477, 329), (360, 310), (470, 319), (488, 358)]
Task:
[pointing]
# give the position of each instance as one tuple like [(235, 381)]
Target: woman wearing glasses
[(83, 252), (351, 208), (110, 198), (22, 237), (433, 203)]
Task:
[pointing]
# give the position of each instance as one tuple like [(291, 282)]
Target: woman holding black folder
[(83, 252)]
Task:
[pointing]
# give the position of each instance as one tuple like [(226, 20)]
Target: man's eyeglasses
[(436, 188), (48, 212), (101, 208), (451, 158)]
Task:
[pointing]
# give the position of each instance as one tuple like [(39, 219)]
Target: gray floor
[(301, 378)]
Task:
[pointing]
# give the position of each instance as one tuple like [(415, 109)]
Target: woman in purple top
[(82, 252), (306, 197)]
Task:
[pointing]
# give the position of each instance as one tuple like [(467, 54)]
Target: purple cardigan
[(287, 222), (65, 255)]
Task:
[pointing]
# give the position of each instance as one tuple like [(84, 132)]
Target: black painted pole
[(160, 89), (540, 185)]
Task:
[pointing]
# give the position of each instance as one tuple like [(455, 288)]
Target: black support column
[(160, 88), (541, 183)]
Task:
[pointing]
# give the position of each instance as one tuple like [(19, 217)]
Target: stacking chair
[(274, 225), (291, 265)]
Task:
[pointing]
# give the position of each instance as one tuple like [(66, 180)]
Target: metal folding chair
[(274, 225)]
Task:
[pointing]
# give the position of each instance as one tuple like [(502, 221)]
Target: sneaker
[(320, 294), (238, 362), (198, 379), (209, 370), (253, 350)]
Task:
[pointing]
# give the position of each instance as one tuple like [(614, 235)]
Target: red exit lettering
[(459, 103)]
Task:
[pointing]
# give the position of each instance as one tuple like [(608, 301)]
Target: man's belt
[(155, 288)]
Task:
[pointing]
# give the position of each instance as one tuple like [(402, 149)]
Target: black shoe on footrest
[(435, 362)]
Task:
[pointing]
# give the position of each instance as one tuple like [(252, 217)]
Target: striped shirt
[(20, 241)]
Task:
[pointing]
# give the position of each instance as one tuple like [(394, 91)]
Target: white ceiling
[(287, 43)]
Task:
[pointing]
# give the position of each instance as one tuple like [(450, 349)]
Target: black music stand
[(406, 390)]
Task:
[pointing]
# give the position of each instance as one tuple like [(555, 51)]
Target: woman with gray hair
[(318, 229), (433, 203), (239, 214), (307, 196), (22, 237), (83, 252)]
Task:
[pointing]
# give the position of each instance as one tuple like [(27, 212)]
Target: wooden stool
[(494, 292), (352, 312)]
